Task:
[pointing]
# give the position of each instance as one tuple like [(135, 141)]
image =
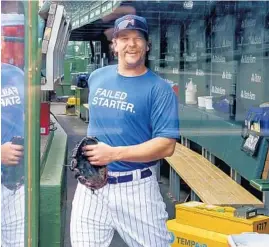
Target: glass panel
[(12, 121), (213, 53), (219, 46)]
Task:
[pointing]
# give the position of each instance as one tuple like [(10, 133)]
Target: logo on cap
[(130, 19), (131, 22), (125, 23)]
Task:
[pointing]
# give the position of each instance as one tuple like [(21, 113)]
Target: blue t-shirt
[(130, 110), (12, 102)]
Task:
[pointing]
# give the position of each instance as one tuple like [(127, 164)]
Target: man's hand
[(154, 149), (11, 153), (99, 154)]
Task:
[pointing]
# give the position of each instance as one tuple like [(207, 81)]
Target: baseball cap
[(131, 22)]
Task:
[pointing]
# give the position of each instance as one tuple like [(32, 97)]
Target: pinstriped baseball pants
[(12, 217), (135, 209)]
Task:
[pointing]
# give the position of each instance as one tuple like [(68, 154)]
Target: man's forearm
[(154, 149)]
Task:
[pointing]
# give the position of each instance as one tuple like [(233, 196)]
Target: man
[(12, 124), (134, 114)]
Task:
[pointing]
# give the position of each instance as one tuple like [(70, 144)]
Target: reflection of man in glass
[(12, 121), (12, 33), (12, 172)]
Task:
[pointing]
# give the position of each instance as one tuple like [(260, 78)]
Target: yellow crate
[(71, 101), (184, 235), (218, 219)]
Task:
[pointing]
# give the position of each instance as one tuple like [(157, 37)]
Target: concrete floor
[(76, 129)]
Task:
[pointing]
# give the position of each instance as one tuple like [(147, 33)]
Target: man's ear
[(148, 45), (114, 45)]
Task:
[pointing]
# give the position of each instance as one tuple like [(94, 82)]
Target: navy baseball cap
[(131, 22)]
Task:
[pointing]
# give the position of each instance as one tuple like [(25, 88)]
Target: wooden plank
[(266, 170), (266, 167), (211, 184)]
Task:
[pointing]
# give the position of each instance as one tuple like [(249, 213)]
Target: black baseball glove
[(93, 177), (12, 177)]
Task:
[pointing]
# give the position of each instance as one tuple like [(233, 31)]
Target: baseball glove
[(12, 177), (93, 177)]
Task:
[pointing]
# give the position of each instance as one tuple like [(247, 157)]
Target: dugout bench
[(219, 138)]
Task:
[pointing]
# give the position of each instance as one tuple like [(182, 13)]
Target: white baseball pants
[(12, 217), (135, 209)]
